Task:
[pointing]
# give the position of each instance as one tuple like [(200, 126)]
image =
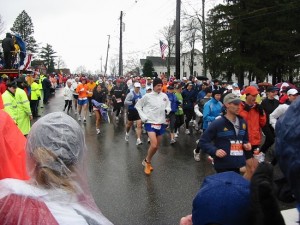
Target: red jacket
[(2, 87), (12, 149), (255, 122), (1, 102)]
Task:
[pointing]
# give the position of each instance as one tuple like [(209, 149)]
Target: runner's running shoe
[(139, 142), (148, 168), (196, 156), (126, 136)]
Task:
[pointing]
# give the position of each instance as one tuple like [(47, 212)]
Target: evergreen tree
[(148, 69), (24, 27), (256, 38), (47, 54), (51, 68)]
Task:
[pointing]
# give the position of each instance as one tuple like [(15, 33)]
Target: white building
[(160, 66)]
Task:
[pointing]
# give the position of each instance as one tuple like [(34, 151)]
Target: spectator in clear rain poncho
[(57, 192)]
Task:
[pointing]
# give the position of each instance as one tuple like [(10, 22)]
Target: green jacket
[(180, 99), (10, 105), (18, 107), (42, 77), (24, 111), (35, 91)]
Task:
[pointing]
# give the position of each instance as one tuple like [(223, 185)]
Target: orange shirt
[(164, 88), (90, 87), (82, 91)]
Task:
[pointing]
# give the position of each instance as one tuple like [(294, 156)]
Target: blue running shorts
[(158, 129), (83, 101)]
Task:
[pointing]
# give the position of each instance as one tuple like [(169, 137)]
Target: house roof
[(157, 61), (64, 71)]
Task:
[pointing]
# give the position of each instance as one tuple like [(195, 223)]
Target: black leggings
[(172, 118), (198, 148), (90, 104), (69, 104), (117, 108), (270, 138), (189, 113), (178, 122)]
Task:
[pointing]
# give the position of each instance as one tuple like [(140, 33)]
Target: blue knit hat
[(224, 198)]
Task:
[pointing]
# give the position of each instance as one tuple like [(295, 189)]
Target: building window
[(183, 63), (195, 64)]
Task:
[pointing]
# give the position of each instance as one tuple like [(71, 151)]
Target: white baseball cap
[(136, 84), (292, 91)]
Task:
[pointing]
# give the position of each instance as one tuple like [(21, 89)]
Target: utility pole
[(203, 40), (105, 69), (101, 65), (121, 46), (177, 40)]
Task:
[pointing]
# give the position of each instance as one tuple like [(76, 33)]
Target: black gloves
[(265, 209), (260, 109), (247, 107)]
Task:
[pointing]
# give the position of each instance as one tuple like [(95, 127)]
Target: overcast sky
[(78, 29)]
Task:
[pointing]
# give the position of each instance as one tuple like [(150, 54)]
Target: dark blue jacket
[(201, 95), (222, 133), (189, 98), (173, 101), (287, 146)]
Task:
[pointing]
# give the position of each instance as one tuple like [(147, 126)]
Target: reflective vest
[(24, 111), (10, 105), (42, 77), (35, 91)]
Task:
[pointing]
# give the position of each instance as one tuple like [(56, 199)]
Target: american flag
[(162, 49), (27, 62)]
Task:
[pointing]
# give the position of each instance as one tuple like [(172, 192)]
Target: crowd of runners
[(229, 121), (156, 105)]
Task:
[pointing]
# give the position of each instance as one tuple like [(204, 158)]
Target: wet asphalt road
[(120, 188), (122, 191)]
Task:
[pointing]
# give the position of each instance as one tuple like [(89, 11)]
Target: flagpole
[(177, 40), (121, 46), (105, 69)]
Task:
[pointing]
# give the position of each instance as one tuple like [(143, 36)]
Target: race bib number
[(156, 126), (236, 149), (119, 100)]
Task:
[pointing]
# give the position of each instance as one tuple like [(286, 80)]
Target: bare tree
[(192, 34), (60, 63), (168, 32), (114, 65), (132, 64), (1, 25), (199, 15), (81, 70)]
